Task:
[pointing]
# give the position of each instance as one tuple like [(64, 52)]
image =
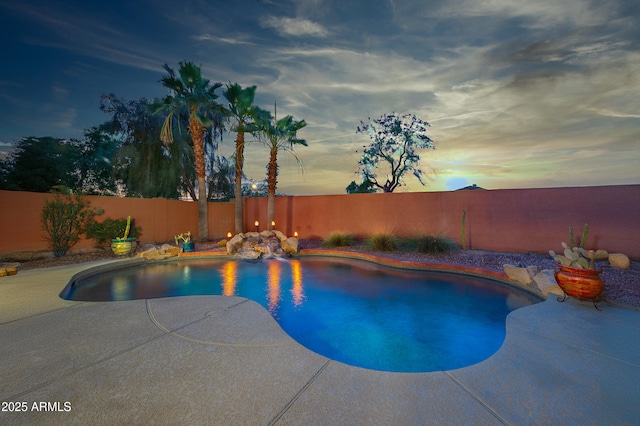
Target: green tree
[(395, 140), (278, 135), (82, 165), (92, 169), (143, 166), (193, 94), (38, 164), (221, 178), (365, 187), (244, 115)]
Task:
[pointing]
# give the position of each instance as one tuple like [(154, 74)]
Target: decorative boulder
[(522, 275), (155, 253), (619, 260), (235, 244), (171, 250), (266, 234), (546, 282), (251, 254), (7, 269), (279, 235), (290, 245)]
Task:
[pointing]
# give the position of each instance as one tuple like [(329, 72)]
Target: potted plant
[(577, 274), (124, 245), (187, 244)]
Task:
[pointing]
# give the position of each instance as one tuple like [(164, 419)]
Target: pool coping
[(560, 363)]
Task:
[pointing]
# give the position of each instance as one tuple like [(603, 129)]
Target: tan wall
[(520, 220), (159, 218)]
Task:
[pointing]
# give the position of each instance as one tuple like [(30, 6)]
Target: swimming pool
[(351, 311)]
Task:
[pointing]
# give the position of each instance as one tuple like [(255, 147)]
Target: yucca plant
[(383, 242), (434, 244), (339, 239)]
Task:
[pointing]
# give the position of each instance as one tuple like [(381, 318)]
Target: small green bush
[(63, 221), (339, 239), (383, 242), (434, 244), (103, 232)]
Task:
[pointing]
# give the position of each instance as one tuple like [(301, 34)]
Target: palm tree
[(191, 92), (245, 114), (278, 135)]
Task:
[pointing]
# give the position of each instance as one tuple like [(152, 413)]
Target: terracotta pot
[(123, 246), (583, 284)]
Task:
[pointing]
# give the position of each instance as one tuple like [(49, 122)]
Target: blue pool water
[(350, 311)]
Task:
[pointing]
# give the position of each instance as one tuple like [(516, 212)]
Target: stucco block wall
[(159, 218), (520, 220)]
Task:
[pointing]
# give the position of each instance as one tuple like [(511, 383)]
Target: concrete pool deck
[(225, 360)]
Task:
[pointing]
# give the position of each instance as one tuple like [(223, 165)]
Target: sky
[(518, 93)]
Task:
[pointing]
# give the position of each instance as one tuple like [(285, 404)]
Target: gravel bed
[(622, 286)]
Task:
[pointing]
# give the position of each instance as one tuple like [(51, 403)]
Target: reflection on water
[(121, 288), (229, 273), (296, 276), (274, 272), (274, 282)]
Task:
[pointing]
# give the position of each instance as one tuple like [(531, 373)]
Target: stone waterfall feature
[(261, 245)]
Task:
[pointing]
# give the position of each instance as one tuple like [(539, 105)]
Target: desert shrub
[(382, 242), (63, 221), (434, 244), (339, 239), (103, 232)]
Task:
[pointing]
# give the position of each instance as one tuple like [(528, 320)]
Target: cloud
[(539, 14), (224, 40), (294, 26)]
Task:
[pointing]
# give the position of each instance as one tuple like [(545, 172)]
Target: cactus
[(572, 242), (584, 235), (578, 257), (126, 231)]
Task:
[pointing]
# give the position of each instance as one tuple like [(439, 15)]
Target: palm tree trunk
[(272, 182), (239, 165), (197, 135)]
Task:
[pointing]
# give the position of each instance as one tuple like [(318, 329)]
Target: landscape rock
[(8, 269), (155, 253), (251, 254), (546, 282), (25, 256), (266, 234), (522, 275), (619, 260), (171, 250), (279, 235), (290, 245), (235, 244)]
